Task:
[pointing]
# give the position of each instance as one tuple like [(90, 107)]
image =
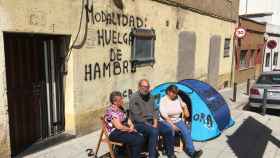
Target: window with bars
[(243, 59), (275, 59), (227, 47), (143, 47), (252, 58), (267, 59)]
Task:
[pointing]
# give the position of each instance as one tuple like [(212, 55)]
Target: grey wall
[(186, 55), (214, 60)]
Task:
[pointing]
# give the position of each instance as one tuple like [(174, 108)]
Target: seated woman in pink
[(120, 128), (171, 109)]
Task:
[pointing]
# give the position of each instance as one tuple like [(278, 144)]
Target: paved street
[(252, 136)]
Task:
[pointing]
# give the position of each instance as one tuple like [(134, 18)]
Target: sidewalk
[(242, 97), (252, 136)]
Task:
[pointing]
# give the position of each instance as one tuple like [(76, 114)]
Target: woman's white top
[(171, 108)]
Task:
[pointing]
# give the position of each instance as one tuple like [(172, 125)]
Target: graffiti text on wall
[(127, 93), (107, 37), (116, 19), (114, 67), (104, 36)]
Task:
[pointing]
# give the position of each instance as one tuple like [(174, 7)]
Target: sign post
[(271, 58), (271, 44)]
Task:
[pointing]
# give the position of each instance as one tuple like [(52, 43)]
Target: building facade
[(59, 60), (265, 12), (249, 50), (261, 7), (272, 57)]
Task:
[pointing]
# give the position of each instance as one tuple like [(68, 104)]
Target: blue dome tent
[(210, 113)]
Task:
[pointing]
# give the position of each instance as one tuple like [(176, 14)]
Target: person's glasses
[(145, 86)]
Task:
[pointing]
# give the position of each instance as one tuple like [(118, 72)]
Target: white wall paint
[(274, 29), (261, 6), (273, 24)]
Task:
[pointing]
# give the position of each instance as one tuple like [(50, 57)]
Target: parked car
[(271, 82)]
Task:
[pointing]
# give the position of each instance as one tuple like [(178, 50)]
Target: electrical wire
[(68, 54)]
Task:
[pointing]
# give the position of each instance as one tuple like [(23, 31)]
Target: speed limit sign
[(240, 32)]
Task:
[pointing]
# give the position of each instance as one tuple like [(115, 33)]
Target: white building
[(272, 57), (267, 11), (262, 6)]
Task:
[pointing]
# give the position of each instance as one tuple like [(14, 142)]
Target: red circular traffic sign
[(240, 32), (271, 44)]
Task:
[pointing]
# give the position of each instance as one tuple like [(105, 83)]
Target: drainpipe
[(233, 64), (246, 9), (271, 57), (232, 75)]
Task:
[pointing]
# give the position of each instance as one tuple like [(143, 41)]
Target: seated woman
[(171, 109), (120, 127)]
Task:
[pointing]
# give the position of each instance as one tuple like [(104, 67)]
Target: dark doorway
[(34, 71)]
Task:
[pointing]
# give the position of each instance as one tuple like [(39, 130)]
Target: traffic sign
[(271, 44), (240, 32)]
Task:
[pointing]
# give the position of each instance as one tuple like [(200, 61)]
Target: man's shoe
[(197, 154)]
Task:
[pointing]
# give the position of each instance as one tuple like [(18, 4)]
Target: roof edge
[(248, 19), (180, 5)]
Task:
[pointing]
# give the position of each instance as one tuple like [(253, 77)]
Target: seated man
[(172, 108), (120, 128), (145, 118)]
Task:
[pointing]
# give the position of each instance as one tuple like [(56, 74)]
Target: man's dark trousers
[(134, 141), (152, 135)]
